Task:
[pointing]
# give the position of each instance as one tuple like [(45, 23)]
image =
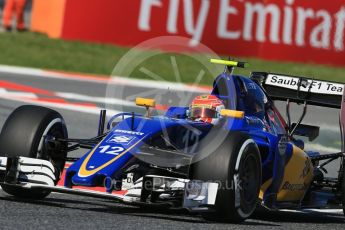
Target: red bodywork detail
[(97, 189)]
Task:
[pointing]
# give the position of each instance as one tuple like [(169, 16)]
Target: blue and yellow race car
[(223, 155)]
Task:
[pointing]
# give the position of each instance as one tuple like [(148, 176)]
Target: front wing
[(36, 174)]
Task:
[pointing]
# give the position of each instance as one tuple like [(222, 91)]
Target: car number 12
[(115, 150)]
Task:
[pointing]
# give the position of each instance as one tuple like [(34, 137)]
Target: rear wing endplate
[(342, 123)]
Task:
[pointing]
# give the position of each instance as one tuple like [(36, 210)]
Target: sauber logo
[(320, 87), (120, 139), (294, 187)]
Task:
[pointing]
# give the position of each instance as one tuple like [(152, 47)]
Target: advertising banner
[(290, 30)]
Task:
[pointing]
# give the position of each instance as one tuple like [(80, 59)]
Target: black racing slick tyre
[(236, 166), (25, 134)]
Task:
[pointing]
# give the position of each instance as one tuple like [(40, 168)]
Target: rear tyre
[(236, 163), (26, 133)]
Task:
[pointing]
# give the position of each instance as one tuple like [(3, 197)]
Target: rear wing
[(305, 90), (301, 89)]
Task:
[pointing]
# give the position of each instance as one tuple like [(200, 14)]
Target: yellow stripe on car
[(83, 172)]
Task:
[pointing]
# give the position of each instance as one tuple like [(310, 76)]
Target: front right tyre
[(26, 133)]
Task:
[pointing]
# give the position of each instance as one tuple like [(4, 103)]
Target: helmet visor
[(199, 112)]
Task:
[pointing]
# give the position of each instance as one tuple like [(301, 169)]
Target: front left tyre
[(236, 166), (26, 133)]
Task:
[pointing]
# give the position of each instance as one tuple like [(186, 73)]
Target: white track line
[(311, 211), (114, 80), (77, 108), (4, 92), (21, 70), (80, 97), (156, 85)]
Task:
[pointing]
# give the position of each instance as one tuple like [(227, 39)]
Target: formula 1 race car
[(222, 169)]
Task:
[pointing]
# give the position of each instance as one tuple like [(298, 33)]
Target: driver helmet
[(206, 108)]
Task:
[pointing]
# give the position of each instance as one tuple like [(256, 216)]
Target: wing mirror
[(232, 113), (147, 103)]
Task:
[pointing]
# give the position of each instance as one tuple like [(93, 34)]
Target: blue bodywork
[(110, 156)]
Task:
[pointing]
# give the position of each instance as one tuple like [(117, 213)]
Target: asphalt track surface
[(60, 211)]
